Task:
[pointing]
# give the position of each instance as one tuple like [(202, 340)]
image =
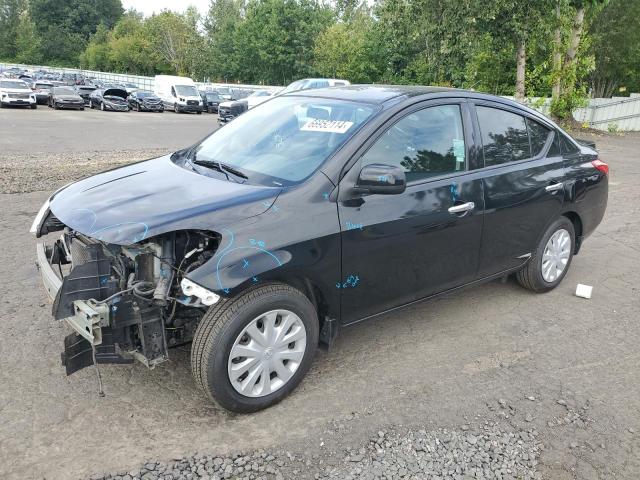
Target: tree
[(11, 12), (221, 24), (616, 49), (27, 41), (65, 27), (276, 40), (342, 50), (176, 42)]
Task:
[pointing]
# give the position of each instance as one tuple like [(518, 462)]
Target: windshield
[(260, 93), (285, 142), (187, 90), (145, 94), (12, 84), (212, 96), (44, 86)]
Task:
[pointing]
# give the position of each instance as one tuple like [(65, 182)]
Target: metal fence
[(140, 81), (612, 114)]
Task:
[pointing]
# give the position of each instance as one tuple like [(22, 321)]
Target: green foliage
[(459, 43), (616, 48)]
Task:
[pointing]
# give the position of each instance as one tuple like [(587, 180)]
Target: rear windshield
[(64, 90)]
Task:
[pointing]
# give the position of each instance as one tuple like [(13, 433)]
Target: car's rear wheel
[(250, 352), (102, 106), (550, 261)]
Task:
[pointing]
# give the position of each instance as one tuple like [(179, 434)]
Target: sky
[(155, 6)]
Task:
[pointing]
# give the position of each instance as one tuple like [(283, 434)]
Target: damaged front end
[(124, 302)]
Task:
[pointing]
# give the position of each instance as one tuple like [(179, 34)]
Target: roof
[(377, 94), (384, 94)]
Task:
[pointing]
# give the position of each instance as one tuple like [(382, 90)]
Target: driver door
[(403, 247)]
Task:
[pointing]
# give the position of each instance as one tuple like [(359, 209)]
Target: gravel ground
[(486, 452), (554, 380), (45, 171)]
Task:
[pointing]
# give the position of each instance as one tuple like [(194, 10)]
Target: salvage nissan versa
[(315, 211)]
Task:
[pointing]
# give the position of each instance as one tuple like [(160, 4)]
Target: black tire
[(82, 109), (199, 112), (136, 107), (91, 105), (34, 106), (102, 106), (175, 108), (221, 325), (55, 106), (530, 276)]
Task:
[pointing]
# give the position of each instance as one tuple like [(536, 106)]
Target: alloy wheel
[(267, 353), (556, 255)]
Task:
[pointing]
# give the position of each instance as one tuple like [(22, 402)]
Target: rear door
[(403, 247), (523, 184)]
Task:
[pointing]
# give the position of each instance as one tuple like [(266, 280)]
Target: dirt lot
[(564, 367)]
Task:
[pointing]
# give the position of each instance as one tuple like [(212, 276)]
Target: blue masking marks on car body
[(454, 192), (325, 195), (354, 226), (255, 245), (351, 281)]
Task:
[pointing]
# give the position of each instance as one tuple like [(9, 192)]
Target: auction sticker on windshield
[(329, 126)]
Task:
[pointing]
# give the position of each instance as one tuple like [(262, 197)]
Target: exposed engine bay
[(126, 302)]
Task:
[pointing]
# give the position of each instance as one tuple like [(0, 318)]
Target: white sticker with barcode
[(329, 126)]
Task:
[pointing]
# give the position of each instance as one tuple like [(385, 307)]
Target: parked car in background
[(112, 99), (240, 93), (225, 93), (229, 110), (130, 87), (313, 83), (142, 100), (258, 97), (14, 92), (42, 89), (179, 94), (324, 210), (211, 100), (65, 97), (13, 72), (85, 91)]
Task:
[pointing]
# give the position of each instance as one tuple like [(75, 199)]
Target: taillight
[(600, 165)]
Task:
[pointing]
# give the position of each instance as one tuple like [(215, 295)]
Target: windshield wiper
[(220, 167)]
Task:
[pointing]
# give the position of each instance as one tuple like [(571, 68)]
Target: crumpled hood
[(128, 204)]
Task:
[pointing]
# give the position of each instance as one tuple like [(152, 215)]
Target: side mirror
[(381, 179)]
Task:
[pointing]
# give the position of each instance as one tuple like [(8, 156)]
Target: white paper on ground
[(584, 291)]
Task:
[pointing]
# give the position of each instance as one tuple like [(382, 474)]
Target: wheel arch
[(575, 219)]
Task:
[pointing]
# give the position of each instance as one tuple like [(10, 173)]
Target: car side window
[(504, 136), (426, 143), (567, 146), (538, 135), (554, 150), (173, 91)]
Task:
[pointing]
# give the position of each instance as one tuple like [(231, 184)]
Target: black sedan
[(211, 101), (145, 101), (112, 99), (320, 210), (65, 97), (85, 91)]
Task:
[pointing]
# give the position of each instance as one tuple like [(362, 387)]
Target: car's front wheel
[(34, 106), (175, 108), (250, 352), (550, 261)]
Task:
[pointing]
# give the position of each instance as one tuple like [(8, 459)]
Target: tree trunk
[(574, 43), (521, 62), (557, 54)]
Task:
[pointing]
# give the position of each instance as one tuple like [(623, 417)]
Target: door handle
[(554, 187), (464, 207)]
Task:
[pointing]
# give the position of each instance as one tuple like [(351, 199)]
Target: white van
[(178, 93)]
